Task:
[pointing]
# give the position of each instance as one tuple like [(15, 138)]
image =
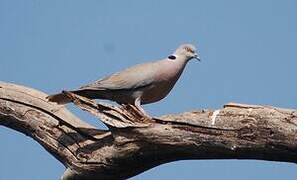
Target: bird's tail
[(62, 98), (59, 98)]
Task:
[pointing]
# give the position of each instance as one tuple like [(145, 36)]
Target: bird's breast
[(164, 82), (156, 92)]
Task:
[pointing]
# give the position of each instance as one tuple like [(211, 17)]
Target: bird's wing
[(132, 78)]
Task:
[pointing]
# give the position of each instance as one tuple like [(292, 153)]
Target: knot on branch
[(123, 116)]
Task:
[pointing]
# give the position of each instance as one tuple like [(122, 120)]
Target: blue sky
[(248, 51)]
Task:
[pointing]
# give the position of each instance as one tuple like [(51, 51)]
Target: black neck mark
[(172, 57)]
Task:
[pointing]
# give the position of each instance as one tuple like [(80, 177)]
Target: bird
[(138, 85)]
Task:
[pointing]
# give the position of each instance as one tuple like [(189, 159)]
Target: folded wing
[(132, 78)]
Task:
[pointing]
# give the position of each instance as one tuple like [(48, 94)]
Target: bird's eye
[(189, 50)]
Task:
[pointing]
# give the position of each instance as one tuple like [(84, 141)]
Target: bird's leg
[(137, 103)]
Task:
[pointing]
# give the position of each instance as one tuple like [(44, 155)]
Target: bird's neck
[(181, 60), (171, 69), (177, 65), (178, 58)]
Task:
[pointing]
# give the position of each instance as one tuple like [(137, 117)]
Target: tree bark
[(135, 143)]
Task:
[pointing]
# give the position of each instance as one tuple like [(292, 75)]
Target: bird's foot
[(137, 104), (137, 109), (141, 111), (144, 113)]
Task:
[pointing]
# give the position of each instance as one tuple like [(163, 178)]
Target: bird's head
[(185, 51)]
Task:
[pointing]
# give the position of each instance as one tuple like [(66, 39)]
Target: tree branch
[(135, 143)]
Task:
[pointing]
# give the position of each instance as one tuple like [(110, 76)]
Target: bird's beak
[(197, 57)]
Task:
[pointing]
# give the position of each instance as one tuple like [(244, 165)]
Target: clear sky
[(248, 51)]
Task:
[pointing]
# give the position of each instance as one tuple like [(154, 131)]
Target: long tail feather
[(61, 98)]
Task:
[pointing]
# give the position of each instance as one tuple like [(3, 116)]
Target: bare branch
[(135, 143)]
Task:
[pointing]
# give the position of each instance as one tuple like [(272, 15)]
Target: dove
[(140, 84)]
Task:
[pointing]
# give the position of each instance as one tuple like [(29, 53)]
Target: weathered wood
[(135, 143)]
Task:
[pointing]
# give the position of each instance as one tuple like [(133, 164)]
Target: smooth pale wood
[(135, 143)]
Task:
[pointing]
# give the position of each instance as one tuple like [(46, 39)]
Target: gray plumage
[(140, 84)]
